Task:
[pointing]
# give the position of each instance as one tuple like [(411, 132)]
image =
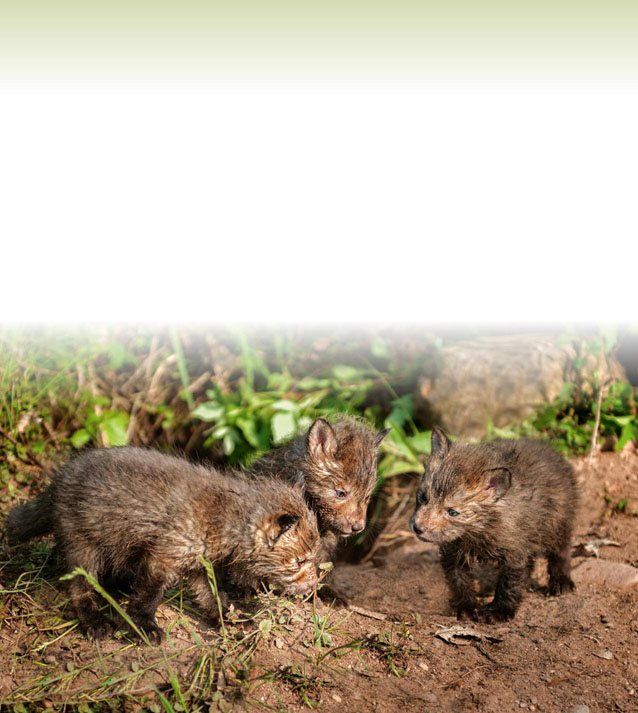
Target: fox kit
[(500, 503), (336, 465), (147, 517)]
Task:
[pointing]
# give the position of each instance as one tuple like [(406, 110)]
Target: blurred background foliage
[(227, 395)]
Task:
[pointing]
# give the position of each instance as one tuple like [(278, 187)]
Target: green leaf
[(285, 405), (228, 443), (283, 426), (344, 372), (114, 428), (402, 409), (309, 383), (80, 438), (379, 348), (621, 420), (209, 411), (248, 427), (219, 432), (117, 355), (629, 433), (265, 626), (421, 442)]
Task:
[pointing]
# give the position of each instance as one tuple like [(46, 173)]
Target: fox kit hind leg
[(149, 584), (559, 566), (84, 598)]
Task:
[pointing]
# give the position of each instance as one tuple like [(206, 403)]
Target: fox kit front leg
[(457, 573), (202, 591)]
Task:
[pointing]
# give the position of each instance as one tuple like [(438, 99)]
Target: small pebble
[(581, 708), (336, 698)]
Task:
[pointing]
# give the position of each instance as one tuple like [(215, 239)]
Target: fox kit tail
[(33, 519)]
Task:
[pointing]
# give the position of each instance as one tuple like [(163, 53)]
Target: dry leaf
[(465, 635)]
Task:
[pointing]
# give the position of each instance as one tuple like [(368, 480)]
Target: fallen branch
[(366, 612)]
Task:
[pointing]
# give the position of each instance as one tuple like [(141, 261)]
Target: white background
[(222, 201)]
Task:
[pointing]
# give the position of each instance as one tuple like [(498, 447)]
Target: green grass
[(197, 664), (228, 398)]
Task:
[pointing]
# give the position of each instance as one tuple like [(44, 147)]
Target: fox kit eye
[(301, 563), (452, 512), (422, 498), (340, 494), (285, 522)]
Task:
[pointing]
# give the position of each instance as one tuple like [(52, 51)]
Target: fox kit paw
[(492, 613), (330, 594), (151, 629), (98, 628), (561, 585), (466, 610)]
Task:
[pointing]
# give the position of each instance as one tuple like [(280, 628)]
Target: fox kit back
[(151, 518), (501, 503)]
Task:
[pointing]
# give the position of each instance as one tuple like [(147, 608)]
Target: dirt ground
[(383, 653)]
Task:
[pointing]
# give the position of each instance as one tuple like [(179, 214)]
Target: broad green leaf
[(285, 405), (629, 433), (344, 372), (283, 426), (219, 432), (421, 442), (114, 427), (248, 427), (228, 443), (80, 438), (209, 411)]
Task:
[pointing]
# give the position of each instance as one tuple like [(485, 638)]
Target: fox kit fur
[(336, 465), (501, 503), (149, 518)]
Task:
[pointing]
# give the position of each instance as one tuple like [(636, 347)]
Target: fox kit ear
[(440, 444), (380, 436), (275, 526), (322, 440), (498, 481)]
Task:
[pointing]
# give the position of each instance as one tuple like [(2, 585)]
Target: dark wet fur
[(32, 519), (141, 516), (516, 500), (351, 467)]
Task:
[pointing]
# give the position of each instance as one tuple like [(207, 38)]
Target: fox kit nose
[(358, 526), (415, 528)]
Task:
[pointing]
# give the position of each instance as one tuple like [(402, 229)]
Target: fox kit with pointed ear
[(336, 465), (149, 518), (498, 504)]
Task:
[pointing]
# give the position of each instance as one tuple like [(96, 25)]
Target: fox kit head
[(341, 472), (460, 492), (284, 542)]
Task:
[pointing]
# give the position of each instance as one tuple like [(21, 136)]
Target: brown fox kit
[(502, 504), (139, 515), (336, 465)]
